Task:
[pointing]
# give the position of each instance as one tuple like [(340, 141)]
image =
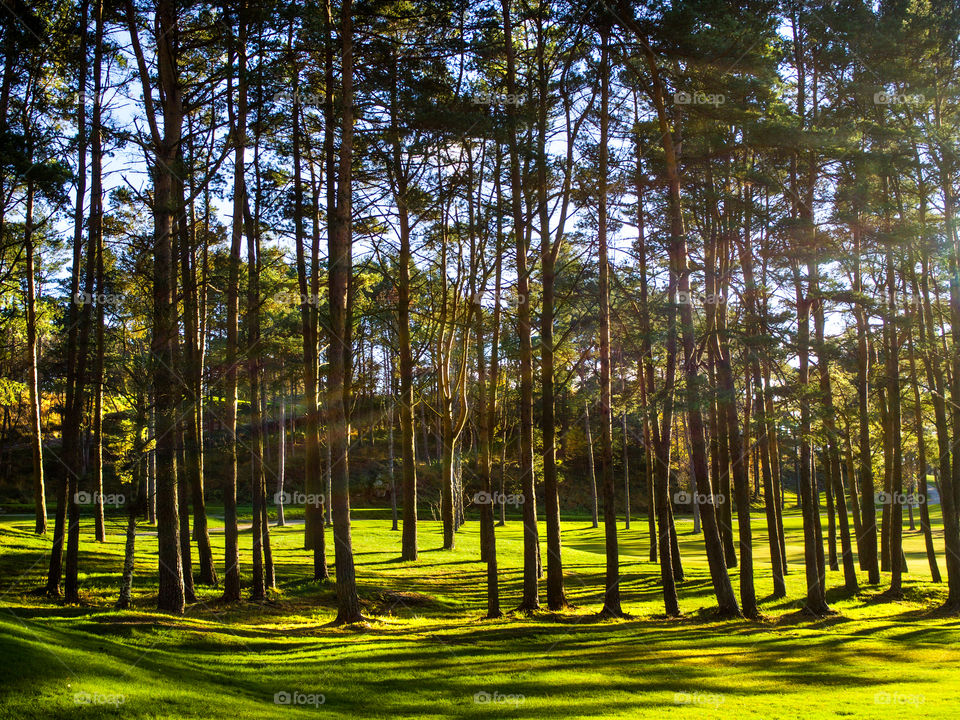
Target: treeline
[(722, 240)]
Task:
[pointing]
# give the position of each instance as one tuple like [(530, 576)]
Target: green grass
[(427, 652)]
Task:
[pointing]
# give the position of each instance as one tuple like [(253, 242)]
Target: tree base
[(557, 606), (817, 612), (352, 619), (728, 613), (612, 613), (950, 607)]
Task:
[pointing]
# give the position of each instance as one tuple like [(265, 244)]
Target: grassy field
[(427, 652)]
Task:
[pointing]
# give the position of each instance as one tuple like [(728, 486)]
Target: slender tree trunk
[(922, 492), (281, 454), (67, 516), (950, 480), (152, 469), (816, 601), (591, 464), (611, 596), (831, 513), (531, 542), (894, 411), (868, 522), (193, 396), (556, 597), (392, 460), (36, 438), (165, 325), (771, 498), (129, 552), (487, 407), (258, 582), (726, 600), (854, 493), (238, 117), (836, 497), (340, 264), (626, 465), (96, 241), (314, 536)]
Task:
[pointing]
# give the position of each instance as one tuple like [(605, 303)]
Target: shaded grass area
[(428, 653)]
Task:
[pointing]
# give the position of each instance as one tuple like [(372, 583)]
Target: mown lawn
[(427, 652)]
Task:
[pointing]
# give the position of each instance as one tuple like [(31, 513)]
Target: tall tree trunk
[(36, 438), (836, 497), (314, 538), (591, 464), (531, 541), (391, 391), (626, 459), (152, 468), (96, 240), (854, 493), (771, 498), (922, 491), (739, 454), (950, 472), (896, 436), (409, 550), (611, 595), (193, 391), (726, 600), (340, 265), (281, 453), (238, 117), (487, 407), (868, 522), (67, 517), (257, 480), (165, 321), (816, 601)]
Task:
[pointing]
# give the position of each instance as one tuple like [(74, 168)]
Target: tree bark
[(531, 541), (340, 264)]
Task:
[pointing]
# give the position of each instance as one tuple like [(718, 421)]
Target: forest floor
[(427, 653)]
